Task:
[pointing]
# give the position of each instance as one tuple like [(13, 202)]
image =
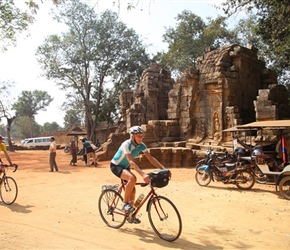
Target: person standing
[(52, 155), (73, 152), (89, 151)]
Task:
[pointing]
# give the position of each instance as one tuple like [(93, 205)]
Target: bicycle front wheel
[(110, 208), (8, 190), (164, 218)]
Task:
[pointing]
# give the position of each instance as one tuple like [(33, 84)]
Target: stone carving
[(217, 127)]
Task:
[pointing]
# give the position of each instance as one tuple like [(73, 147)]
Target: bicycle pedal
[(130, 220)]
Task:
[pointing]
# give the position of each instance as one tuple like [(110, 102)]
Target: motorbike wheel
[(245, 180), (66, 150), (284, 187), (260, 177), (202, 177)]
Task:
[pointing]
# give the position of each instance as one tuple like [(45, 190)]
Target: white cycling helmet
[(136, 130)]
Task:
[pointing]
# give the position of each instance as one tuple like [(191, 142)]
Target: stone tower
[(220, 93), (149, 100)]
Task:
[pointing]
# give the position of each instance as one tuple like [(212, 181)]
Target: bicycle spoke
[(110, 208), (164, 218)]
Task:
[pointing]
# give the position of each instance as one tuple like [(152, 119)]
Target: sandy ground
[(59, 211)]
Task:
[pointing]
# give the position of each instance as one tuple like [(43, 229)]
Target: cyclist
[(123, 161), (3, 148)]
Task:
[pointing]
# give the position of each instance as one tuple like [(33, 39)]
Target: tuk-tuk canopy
[(277, 124)]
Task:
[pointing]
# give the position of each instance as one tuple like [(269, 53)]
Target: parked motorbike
[(236, 172), (67, 149), (220, 157)]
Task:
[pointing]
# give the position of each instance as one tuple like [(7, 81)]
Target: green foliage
[(15, 20), (50, 127), (31, 102), (189, 39), (72, 118), (22, 127), (12, 22)]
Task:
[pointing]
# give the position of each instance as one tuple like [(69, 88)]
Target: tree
[(22, 127), (97, 53), (72, 118), (50, 127), (188, 40), (9, 120), (30, 103), (5, 105)]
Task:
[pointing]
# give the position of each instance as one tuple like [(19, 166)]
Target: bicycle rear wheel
[(164, 218), (8, 190), (110, 208)]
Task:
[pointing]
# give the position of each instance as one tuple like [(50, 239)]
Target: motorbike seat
[(230, 164), (222, 157)]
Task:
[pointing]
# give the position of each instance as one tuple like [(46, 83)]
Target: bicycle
[(163, 215), (8, 186)]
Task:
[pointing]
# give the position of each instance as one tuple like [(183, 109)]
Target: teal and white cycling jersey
[(128, 147)]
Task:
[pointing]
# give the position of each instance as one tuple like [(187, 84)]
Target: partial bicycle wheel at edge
[(110, 208), (164, 218), (8, 190), (284, 187)]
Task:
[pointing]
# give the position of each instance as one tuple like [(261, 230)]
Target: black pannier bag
[(160, 178)]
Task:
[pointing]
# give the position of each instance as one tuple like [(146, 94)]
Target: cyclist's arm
[(134, 166), (153, 160), (7, 157)]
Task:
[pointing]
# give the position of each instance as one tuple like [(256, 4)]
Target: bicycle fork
[(159, 210)]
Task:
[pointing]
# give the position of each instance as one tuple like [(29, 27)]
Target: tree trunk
[(9, 123)]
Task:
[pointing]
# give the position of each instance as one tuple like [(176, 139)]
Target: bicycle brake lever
[(15, 167)]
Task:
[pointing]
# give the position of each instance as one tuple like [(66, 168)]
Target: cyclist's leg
[(130, 190), (126, 175)]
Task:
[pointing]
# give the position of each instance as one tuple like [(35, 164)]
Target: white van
[(38, 141)]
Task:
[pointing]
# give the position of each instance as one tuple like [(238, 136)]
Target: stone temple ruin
[(230, 86)]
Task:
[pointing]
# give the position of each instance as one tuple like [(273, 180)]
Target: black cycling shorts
[(117, 170)]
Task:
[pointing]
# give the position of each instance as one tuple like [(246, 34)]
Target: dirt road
[(59, 211)]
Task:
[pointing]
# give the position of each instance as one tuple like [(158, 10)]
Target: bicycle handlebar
[(14, 165)]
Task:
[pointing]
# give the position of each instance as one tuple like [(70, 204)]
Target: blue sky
[(19, 65)]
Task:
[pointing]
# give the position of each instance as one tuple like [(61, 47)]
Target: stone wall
[(272, 103)]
